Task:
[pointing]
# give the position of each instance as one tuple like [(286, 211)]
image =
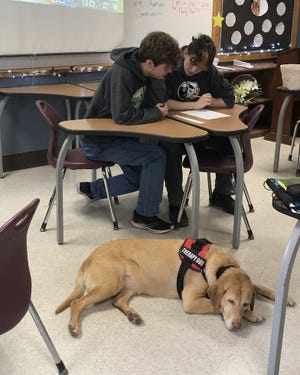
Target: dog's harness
[(221, 270), (192, 254)]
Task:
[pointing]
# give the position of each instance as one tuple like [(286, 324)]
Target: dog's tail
[(78, 291)]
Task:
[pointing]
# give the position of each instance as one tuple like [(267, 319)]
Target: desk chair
[(15, 279), (75, 159), (214, 162)]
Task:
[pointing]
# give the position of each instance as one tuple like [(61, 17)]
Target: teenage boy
[(197, 84), (129, 94)]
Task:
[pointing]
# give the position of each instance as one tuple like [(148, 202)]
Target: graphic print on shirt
[(138, 97), (187, 90)]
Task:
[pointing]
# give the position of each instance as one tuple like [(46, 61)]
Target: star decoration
[(218, 19)]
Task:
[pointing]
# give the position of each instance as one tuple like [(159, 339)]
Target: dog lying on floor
[(125, 267)]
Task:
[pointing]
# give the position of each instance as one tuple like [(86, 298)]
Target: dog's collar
[(221, 270), (193, 255)]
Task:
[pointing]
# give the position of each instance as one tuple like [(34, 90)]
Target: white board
[(182, 19)]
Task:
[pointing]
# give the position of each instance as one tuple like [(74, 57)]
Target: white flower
[(245, 91)]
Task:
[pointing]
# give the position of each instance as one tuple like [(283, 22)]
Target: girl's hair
[(203, 49)]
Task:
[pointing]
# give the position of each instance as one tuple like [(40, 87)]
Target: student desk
[(65, 90), (230, 127), (89, 85), (288, 96), (166, 129)]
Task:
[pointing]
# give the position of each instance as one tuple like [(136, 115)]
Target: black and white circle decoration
[(256, 25)]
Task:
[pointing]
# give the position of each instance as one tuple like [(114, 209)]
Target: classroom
[(54, 55)]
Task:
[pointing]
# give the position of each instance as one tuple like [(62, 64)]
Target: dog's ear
[(215, 293)]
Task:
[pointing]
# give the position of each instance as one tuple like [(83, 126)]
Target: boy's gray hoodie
[(125, 94)]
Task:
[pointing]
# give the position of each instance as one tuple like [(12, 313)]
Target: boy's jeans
[(143, 167)]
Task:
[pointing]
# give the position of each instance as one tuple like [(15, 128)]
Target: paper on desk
[(224, 67), (205, 114), (188, 119)]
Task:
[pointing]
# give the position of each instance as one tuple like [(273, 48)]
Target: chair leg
[(116, 200), (186, 193), (209, 187), (94, 178), (40, 326), (251, 208), (185, 197), (94, 175), (244, 215), (109, 198), (298, 164), (293, 140), (246, 221), (50, 205)]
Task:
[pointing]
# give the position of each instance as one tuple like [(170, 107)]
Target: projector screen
[(60, 26)]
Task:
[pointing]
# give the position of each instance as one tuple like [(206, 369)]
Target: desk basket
[(283, 201), (290, 74)]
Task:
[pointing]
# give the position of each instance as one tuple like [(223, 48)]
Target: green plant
[(245, 91)]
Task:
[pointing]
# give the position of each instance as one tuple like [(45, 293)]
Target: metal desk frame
[(288, 96), (281, 300), (230, 127), (157, 130)]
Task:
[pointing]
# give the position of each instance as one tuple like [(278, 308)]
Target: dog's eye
[(246, 304), (231, 301)]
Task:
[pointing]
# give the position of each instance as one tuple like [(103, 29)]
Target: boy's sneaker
[(84, 188), (151, 223)]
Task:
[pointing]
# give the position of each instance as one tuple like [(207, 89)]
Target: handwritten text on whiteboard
[(151, 8)]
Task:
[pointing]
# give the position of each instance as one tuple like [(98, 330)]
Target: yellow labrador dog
[(125, 267)]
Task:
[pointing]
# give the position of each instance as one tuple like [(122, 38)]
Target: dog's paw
[(74, 331), (290, 302), (258, 318), (135, 319), (253, 316)]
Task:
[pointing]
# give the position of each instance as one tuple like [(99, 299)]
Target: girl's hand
[(205, 100)]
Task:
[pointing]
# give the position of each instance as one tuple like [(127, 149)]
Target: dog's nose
[(235, 325)]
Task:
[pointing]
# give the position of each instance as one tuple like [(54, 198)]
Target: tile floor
[(171, 342)]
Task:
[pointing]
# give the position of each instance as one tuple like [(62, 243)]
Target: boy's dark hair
[(161, 48), (203, 49)]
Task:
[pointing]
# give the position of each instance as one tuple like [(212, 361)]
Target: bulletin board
[(254, 28)]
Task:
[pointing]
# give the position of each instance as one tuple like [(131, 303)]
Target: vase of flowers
[(246, 89)]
